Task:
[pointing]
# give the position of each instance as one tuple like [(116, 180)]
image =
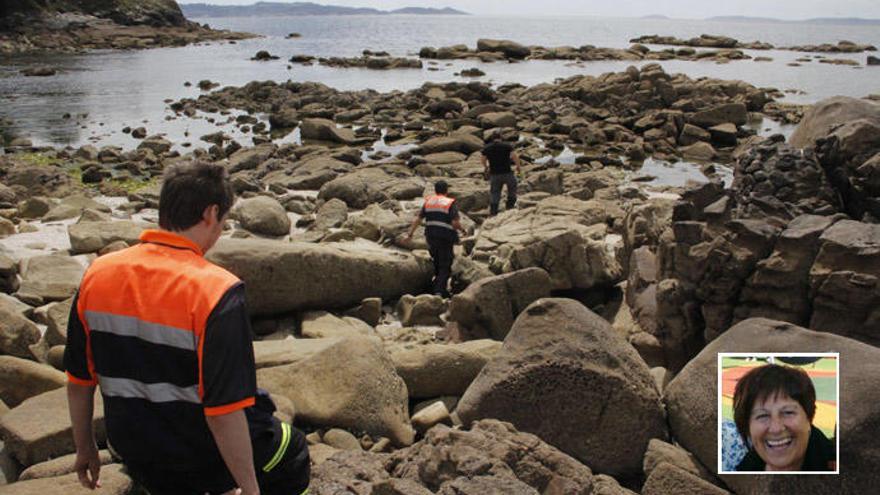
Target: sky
[(685, 9)]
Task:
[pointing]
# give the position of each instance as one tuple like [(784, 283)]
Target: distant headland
[(197, 10)]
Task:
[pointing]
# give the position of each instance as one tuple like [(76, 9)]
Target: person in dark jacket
[(441, 231), (498, 158), (773, 408)]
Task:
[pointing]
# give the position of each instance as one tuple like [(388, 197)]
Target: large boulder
[(365, 394), (567, 237), (692, 404), (488, 307), (90, 237), (326, 130), (263, 215), (510, 49), (819, 120), (53, 277), (309, 174), (284, 277), (39, 428), (560, 372), (21, 379), (250, 158), (437, 370), (17, 333)]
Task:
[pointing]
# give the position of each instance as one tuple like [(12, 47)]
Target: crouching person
[(166, 336)]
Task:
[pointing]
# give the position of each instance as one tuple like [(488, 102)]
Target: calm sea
[(106, 91)]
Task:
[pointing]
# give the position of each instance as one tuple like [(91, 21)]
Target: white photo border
[(722, 355)]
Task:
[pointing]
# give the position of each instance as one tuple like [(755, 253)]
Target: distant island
[(259, 9), (817, 20)]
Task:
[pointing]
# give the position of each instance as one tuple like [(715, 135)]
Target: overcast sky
[(689, 9)]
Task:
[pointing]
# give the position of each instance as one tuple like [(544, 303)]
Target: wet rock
[(509, 48), (325, 130), (285, 277), (39, 428), (157, 144), (39, 72), (21, 379), (139, 133), (699, 151), (365, 395), (436, 370), (546, 355), (733, 113), (488, 307), (263, 56), (263, 215), (692, 401)]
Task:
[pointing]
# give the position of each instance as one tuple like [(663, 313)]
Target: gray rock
[(39, 428), (17, 334), (436, 370), (424, 309), (325, 130), (488, 307), (263, 215), (21, 379), (570, 364), (285, 277), (51, 277), (321, 324), (822, 116), (365, 394), (90, 237)]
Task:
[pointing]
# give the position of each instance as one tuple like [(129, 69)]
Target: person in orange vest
[(166, 336), (441, 231)]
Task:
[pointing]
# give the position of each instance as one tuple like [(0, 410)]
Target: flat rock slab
[(436, 370), (113, 482), (285, 277), (39, 428), (90, 237), (52, 278)]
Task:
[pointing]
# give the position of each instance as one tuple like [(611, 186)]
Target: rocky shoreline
[(578, 352), (78, 32), (716, 41)]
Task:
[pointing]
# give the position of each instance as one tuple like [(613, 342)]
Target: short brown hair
[(189, 188), (768, 381)]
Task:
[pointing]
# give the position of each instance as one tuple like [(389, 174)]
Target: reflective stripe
[(436, 210), (128, 326), (279, 454), (153, 392), (439, 224)]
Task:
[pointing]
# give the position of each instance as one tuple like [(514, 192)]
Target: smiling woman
[(774, 407)]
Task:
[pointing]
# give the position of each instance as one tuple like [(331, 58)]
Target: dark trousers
[(289, 477), (441, 255), (496, 182)]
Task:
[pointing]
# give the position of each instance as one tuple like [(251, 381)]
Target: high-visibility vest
[(438, 217), (144, 311)]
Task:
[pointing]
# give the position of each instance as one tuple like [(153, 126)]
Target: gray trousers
[(496, 182)]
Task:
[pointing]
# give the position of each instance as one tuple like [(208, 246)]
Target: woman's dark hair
[(768, 381), (189, 188)]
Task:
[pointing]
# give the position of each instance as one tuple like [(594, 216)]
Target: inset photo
[(778, 413)]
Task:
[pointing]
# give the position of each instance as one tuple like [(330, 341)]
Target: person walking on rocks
[(441, 231), (497, 158), (166, 335)]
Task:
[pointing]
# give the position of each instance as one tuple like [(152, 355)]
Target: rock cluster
[(716, 41)]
